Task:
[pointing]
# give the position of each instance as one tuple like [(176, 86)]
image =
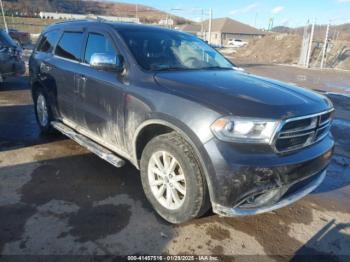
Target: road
[(57, 198)]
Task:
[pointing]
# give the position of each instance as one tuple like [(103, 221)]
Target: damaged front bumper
[(249, 180), (286, 199)]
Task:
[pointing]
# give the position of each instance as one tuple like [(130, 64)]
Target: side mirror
[(107, 62)]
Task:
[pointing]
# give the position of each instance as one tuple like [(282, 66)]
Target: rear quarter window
[(69, 46)]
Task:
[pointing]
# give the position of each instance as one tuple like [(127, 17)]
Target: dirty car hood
[(237, 93)]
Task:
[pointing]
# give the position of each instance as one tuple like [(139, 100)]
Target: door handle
[(82, 86), (81, 77), (79, 86)]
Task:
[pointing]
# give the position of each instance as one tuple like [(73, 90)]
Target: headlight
[(244, 130)]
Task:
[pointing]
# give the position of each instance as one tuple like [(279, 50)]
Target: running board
[(92, 146)]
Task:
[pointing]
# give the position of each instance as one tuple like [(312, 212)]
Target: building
[(223, 30), (66, 16), (166, 22), (193, 29)]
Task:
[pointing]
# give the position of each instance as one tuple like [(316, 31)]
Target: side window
[(97, 43), (48, 41), (70, 45)]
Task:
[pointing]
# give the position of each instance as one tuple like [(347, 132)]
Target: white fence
[(66, 16)]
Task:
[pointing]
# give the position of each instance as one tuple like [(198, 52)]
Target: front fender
[(187, 134)]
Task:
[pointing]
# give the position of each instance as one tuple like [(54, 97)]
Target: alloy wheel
[(167, 180), (41, 109)]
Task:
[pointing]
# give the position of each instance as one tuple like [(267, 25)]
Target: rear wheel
[(42, 111), (172, 179)]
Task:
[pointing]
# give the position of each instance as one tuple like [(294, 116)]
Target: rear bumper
[(284, 201), (18, 68)]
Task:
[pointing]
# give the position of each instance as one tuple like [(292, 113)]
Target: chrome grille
[(299, 132)]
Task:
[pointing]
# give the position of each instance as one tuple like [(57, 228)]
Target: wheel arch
[(51, 95), (35, 86), (185, 132)]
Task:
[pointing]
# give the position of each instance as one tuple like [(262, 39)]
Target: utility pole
[(304, 45), (310, 44), (324, 49), (210, 21), (202, 21), (137, 11), (256, 16), (3, 16), (270, 23)]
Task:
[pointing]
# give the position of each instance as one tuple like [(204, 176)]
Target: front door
[(99, 109)]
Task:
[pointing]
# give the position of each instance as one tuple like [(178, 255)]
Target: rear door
[(40, 64), (99, 107), (65, 67)]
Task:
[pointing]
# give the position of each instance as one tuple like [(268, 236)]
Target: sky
[(292, 13)]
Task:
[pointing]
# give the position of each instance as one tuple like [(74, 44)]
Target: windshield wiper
[(178, 68), (215, 68), (174, 68)]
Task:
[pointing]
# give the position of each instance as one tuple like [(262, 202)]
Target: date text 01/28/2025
[(173, 258)]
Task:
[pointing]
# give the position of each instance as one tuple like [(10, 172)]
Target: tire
[(195, 201), (45, 125)]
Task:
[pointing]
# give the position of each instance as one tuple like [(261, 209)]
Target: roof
[(228, 25), (116, 25)]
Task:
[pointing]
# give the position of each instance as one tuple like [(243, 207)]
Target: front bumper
[(284, 201), (251, 180)]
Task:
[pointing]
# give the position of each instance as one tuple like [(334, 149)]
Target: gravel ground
[(56, 198)]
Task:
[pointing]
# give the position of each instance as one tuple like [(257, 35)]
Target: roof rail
[(89, 19)]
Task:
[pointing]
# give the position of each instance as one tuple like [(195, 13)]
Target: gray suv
[(203, 134)]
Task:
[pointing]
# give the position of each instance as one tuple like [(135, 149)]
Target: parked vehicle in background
[(21, 38), (202, 133), (236, 43), (11, 62), (216, 46)]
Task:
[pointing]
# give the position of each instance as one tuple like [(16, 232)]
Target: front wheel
[(42, 111), (172, 179)]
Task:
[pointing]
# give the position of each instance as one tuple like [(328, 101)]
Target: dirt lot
[(278, 48), (56, 198), (336, 81)]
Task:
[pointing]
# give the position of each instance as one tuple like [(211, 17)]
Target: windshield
[(168, 50)]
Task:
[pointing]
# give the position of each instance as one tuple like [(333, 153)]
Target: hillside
[(32, 7), (271, 49), (341, 32), (283, 48)]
